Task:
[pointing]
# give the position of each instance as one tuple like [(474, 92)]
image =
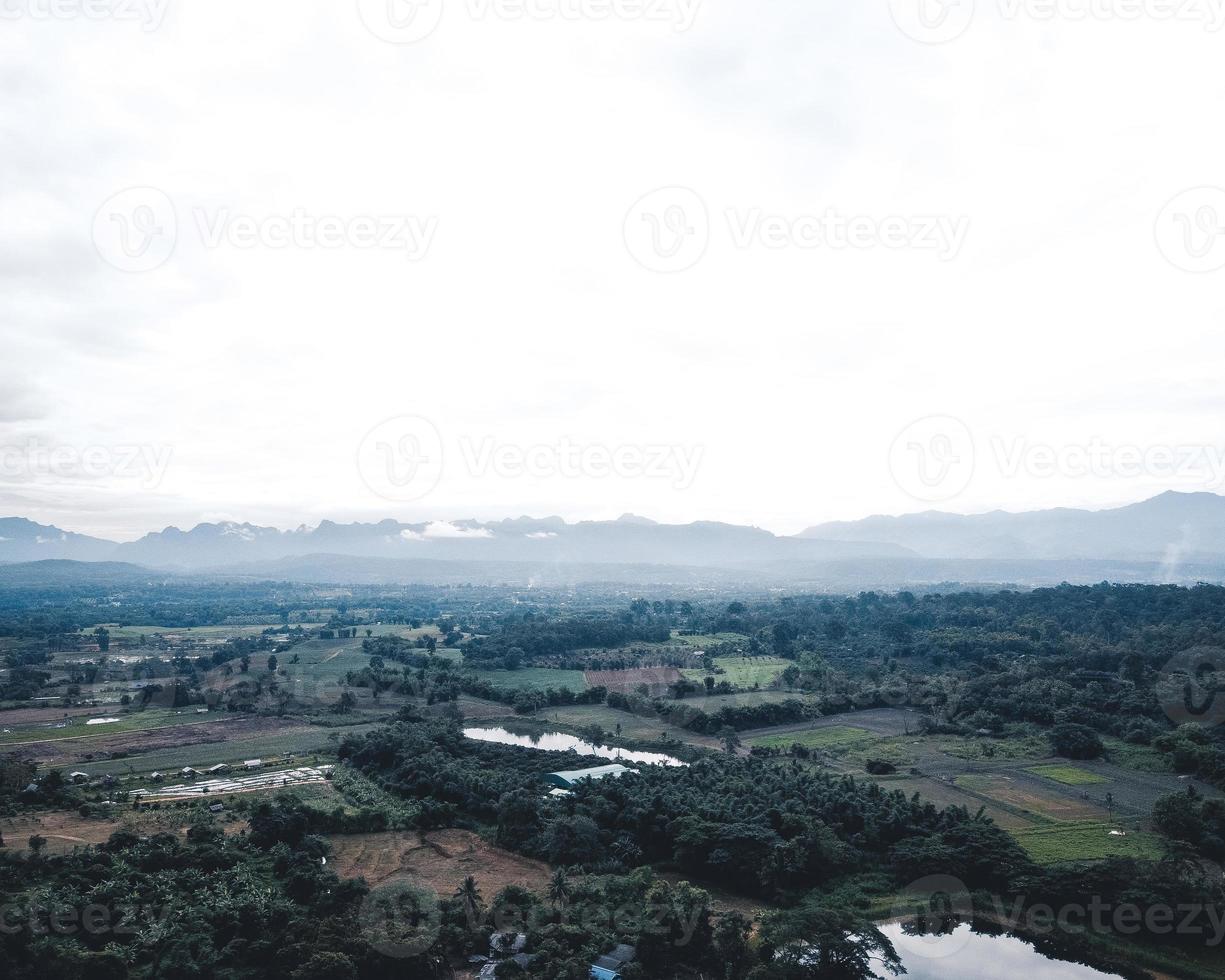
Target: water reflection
[(560, 742), (963, 954)]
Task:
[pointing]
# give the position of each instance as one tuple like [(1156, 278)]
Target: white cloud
[(528, 320)]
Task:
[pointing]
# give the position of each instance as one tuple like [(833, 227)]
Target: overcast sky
[(771, 263)]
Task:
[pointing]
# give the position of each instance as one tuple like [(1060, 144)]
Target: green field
[(1068, 775), (1086, 842), (834, 737), (534, 679), (742, 671), (138, 721), (709, 639)]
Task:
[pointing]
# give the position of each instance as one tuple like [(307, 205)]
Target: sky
[(772, 264)]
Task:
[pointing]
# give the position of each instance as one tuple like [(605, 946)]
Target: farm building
[(187, 772), (253, 763), (609, 966), (218, 768), (79, 777), (568, 778)]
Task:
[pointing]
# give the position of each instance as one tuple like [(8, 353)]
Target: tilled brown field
[(656, 679), (442, 860)]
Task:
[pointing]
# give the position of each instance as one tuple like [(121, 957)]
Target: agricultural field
[(656, 679), (1088, 841), (829, 738), (1068, 775), (632, 726), (742, 672), (1030, 796), (535, 679)]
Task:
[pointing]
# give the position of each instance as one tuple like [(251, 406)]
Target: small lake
[(964, 955), (560, 742)]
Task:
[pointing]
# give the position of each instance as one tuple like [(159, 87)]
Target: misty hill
[(548, 541), (1172, 529), (22, 540)]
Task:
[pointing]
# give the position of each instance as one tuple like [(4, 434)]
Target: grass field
[(821, 739), (708, 639), (139, 721), (1089, 841), (1068, 775), (742, 671), (535, 679), (632, 726)]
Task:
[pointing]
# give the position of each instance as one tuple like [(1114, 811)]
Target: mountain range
[(1174, 537)]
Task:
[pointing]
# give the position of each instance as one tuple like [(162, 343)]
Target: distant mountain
[(1173, 537), (1172, 529), (22, 540), (60, 572)]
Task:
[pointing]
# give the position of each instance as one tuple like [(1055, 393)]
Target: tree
[(729, 739), (272, 664), (830, 944), (559, 888), (37, 843), (1074, 741), (469, 896), (103, 636)]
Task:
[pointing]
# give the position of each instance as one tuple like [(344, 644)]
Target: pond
[(965, 955), (561, 742)]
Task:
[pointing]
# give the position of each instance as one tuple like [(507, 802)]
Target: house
[(157, 777), (506, 943), (570, 777), (187, 772), (610, 965), (216, 808), (79, 777), (220, 767)]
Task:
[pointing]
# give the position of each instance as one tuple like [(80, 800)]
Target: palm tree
[(559, 888), (470, 895)]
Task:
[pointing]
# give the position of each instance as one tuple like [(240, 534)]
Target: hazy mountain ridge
[(1169, 537), (1172, 528)]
